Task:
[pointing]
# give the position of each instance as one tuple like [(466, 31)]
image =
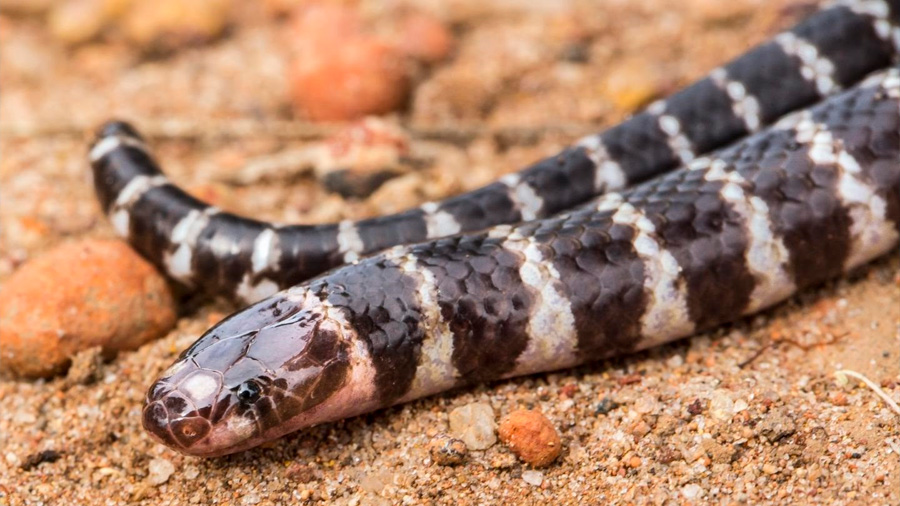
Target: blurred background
[(320, 111)]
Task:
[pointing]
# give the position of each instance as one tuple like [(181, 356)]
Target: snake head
[(258, 374)]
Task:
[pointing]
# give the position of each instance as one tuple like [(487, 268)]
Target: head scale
[(255, 376)]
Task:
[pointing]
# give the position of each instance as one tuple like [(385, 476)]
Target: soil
[(751, 413)]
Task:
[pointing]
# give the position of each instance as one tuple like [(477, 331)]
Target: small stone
[(532, 477), (425, 38), (630, 379), (719, 453), (302, 473), (740, 405), (39, 458), (721, 407), (634, 462), (695, 407), (474, 424), (86, 367), (103, 294), (646, 404), (769, 468), (839, 399), (159, 471), (667, 455), (640, 429), (693, 453), (342, 73), (605, 406), (675, 361), (166, 25), (568, 391), (77, 21), (531, 436), (447, 451), (360, 158), (666, 424), (191, 472), (776, 427), (692, 491)]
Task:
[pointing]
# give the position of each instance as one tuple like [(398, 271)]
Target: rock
[(159, 471), (646, 404), (568, 391), (86, 366), (303, 473), (341, 73), (36, 459), (359, 159), (350, 183), (360, 77), (77, 296), (719, 453), (776, 426), (77, 21), (531, 436), (425, 38), (165, 25), (605, 406), (474, 424), (721, 407), (692, 491), (695, 407), (447, 451), (532, 477)]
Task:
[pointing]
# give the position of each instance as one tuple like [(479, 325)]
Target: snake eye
[(248, 392)]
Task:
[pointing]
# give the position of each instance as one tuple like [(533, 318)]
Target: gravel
[(651, 428)]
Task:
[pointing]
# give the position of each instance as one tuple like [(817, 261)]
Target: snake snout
[(178, 433), (178, 416)]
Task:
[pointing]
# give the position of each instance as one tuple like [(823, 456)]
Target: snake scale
[(680, 239)]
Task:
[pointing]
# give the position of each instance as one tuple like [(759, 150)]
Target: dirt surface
[(751, 413)]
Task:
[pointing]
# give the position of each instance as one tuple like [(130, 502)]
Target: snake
[(227, 255), (685, 235)]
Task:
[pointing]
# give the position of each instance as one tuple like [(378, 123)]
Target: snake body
[(724, 235), (245, 259)]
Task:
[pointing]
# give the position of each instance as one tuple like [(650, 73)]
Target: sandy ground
[(750, 413)]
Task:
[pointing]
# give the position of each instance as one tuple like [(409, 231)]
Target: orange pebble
[(531, 436), (425, 38), (341, 73), (77, 296)]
